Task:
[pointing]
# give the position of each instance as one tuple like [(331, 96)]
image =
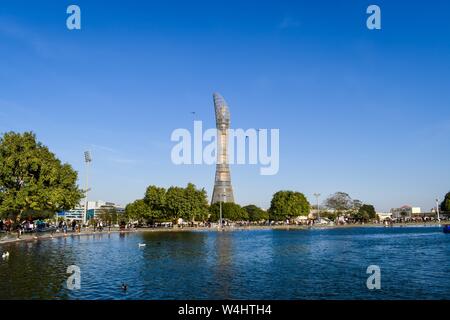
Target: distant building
[(93, 209), (405, 212), (74, 214)]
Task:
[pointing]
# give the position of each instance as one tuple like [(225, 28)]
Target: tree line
[(191, 204)]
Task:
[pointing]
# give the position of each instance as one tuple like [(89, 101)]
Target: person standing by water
[(64, 227), (19, 229)]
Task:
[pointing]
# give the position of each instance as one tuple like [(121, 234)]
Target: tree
[(108, 215), (155, 198), (197, 203), (340, 202), (104, 215), (356, 204), (365, 213), (255, 213), (114, 216), (230, 211), (33, 182), (187, 203), (445, 205), (176, 204), (139, 211), (288, 204)]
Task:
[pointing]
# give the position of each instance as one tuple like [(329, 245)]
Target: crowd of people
[(8, 226), (26, 226), (30, 226)]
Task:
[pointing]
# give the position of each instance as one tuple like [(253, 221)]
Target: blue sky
[(361, 111)]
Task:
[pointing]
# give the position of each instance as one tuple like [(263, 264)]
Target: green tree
[(176, 204), (445, 205), (230, 211), (33, 182), (187, 203), (256, 213), (197, 203), (155, 198), (114, 216), (139, 211), (365, 213), (108, 215), (287, 205), (160, 204)]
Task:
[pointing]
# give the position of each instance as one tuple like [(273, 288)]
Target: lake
[(249, 264)]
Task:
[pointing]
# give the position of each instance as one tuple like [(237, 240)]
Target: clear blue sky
[(360, 111)]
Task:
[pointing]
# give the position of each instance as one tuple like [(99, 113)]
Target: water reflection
[(264, 264), (36, 269), (223, 264)]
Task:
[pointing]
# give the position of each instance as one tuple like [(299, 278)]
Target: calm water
[(263, 264)]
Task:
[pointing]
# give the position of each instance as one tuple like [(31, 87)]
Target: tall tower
[(222, 184)]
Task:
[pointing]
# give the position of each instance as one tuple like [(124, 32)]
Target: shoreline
[(33, 237)]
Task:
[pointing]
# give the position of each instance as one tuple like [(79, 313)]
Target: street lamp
[(317, 195), (437, 210), (87, 161)]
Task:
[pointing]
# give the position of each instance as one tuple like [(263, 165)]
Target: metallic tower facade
[(222, 185)]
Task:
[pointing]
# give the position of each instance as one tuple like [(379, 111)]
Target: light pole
[(87, 161), (317, 195), (437, 210), (220, 211)]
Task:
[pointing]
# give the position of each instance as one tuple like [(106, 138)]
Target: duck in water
[(124, 287)]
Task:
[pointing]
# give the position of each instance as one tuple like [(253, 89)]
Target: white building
[(405, 211), (384, 215)]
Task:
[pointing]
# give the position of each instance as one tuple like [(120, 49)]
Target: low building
[(94, 208), (405, 211), (384, 215)]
